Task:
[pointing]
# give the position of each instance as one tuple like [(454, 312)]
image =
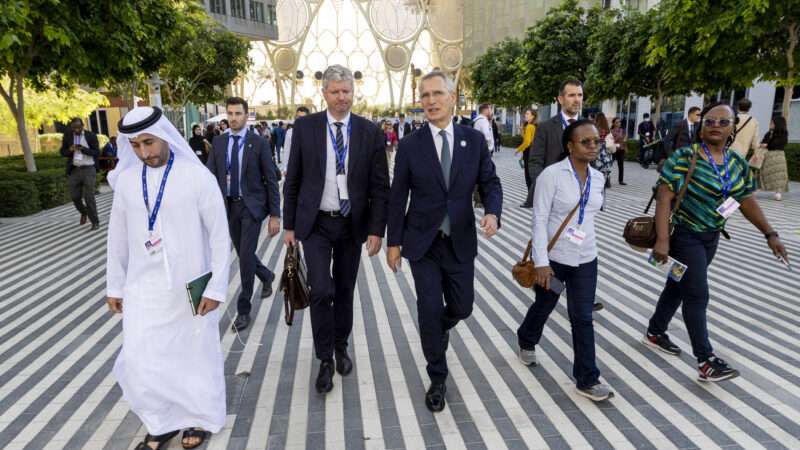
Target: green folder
[(195, 289)]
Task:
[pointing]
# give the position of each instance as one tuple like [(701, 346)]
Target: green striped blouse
[(698, 210)]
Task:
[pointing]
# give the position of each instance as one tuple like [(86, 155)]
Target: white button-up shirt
[(330, 193), (556, 193), (437, 139), (482, 124), (78, 158)]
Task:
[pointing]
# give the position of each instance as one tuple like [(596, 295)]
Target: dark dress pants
[(525, 167), (439, 275), (696, 250), (331, 240), (620, 157), (580, 283), (244, 230), (81, 190)]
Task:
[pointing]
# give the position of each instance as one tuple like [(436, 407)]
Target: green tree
[(56, 43), (202, 59), (494, 78), (554, 49)]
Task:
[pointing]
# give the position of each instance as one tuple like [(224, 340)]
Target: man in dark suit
[(402, 128), (335, 197), (242, 163), (685, 132), (440, 166), (547, 144), (82, 151)]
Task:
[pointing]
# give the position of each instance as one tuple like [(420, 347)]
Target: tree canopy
[(493, 75)]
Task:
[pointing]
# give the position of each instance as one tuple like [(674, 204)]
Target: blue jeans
[(580, 283), (696, 250)]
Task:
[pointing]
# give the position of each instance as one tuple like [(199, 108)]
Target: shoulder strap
[(689, 174), (555, 237), (744, 124)]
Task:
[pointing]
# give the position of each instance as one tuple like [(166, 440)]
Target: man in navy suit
[(335, 198), (440, 166), (242, 163)]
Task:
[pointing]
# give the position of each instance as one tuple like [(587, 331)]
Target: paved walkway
[(58, 343)]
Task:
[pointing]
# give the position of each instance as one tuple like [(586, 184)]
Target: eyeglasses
[(717, 122), (591, 141)]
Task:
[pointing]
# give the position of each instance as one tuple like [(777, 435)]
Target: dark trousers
[(440, 275), (525, 167), (244, 230), (331, 240), (696, 250), (620, 157), (580, 283), (81, 189)]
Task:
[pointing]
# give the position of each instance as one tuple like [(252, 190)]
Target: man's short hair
[(569, 82), (646, 115), (236, 101), (483, 107), (694, 109), (302, 109), (401, 115), (448, 82), (744, 105), (75, 120), (336, 72), (280, 123)]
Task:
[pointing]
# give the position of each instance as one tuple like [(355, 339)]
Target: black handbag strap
[(682, 192)]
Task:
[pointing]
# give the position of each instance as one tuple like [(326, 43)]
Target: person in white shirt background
[(287, 140), (570, 187), (482, 123)]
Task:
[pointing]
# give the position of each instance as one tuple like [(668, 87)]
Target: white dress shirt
[(401, 130), (437, 139), (486, 128), (555, 195), (78, 158), (287, 148), (565, 120), (330, 193), (242, 135)]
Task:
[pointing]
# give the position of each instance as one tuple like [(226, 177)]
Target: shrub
[(52, 187), (19, 197), (507, 140)]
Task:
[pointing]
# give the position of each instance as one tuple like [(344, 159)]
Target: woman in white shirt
[(569, 187)]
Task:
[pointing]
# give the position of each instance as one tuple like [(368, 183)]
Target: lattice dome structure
[(379, 40)]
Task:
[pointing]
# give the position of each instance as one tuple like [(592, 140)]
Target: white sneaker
[(527, 357), (778, 196)]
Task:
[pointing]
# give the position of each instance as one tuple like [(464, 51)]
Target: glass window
[(257, 11), (217, 6), (237, 9), (271, 17)]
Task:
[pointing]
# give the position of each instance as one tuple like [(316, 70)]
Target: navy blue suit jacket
[(417, 171), (258, 173), (367, 177)]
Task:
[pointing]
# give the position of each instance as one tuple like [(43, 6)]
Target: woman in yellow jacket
[(528, 131)]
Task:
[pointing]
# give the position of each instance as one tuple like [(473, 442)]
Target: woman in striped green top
[(721, 182)]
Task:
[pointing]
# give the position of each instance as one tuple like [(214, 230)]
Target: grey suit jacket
[(257, 171), (546, 146)]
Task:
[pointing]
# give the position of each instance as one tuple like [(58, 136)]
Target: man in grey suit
[(547, 144), (81, 149), (242, 163)]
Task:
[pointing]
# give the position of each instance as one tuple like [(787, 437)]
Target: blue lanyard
[(151, 216), (228, 155), (726, 180), (341, 153), (584, 193)]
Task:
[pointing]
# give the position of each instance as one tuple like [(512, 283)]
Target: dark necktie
[(234, 189), (446, 163), (571, 121), (344, 204)]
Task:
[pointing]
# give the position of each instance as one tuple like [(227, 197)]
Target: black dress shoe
[(95, 227), (242, 321), (325, 377), (622, 184), (343, 363), (266, 289), (525, 205), (597, 306), (434, 398)]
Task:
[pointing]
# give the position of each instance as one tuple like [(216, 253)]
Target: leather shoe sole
[(434, 398), (241, 323), (597, 306)]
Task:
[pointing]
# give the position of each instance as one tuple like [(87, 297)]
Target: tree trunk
[(659, 100), (15, 98), (787, 101), (788, 88)]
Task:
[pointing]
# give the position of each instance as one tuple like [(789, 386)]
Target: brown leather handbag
[(640, 232), (293, 283), (524, 271)]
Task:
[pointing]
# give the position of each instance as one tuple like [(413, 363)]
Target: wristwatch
[(770, 234)]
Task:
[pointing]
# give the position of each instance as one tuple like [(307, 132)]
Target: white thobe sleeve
[(117, 248), (215, 222)]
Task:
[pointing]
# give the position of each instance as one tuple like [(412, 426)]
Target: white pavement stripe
[(298, 413)]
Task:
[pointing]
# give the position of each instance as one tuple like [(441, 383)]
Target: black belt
[(441, 235), (234, 199), (335, 214)]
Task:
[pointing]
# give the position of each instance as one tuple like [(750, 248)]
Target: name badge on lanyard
[(729, 205), (341, 159), (574, 233), (154, 244)]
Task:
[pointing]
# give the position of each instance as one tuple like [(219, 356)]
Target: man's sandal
[(193, 433), (161, 439)]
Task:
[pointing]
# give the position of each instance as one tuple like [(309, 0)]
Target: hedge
[(20, 197), (507, 140)]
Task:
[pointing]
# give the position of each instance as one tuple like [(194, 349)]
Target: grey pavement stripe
[(98, 414), (45, 245), (15, 236)]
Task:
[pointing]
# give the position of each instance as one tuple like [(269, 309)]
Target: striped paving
[(58, 344)]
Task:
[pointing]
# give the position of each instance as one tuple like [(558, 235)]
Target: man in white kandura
[(167, 227)]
